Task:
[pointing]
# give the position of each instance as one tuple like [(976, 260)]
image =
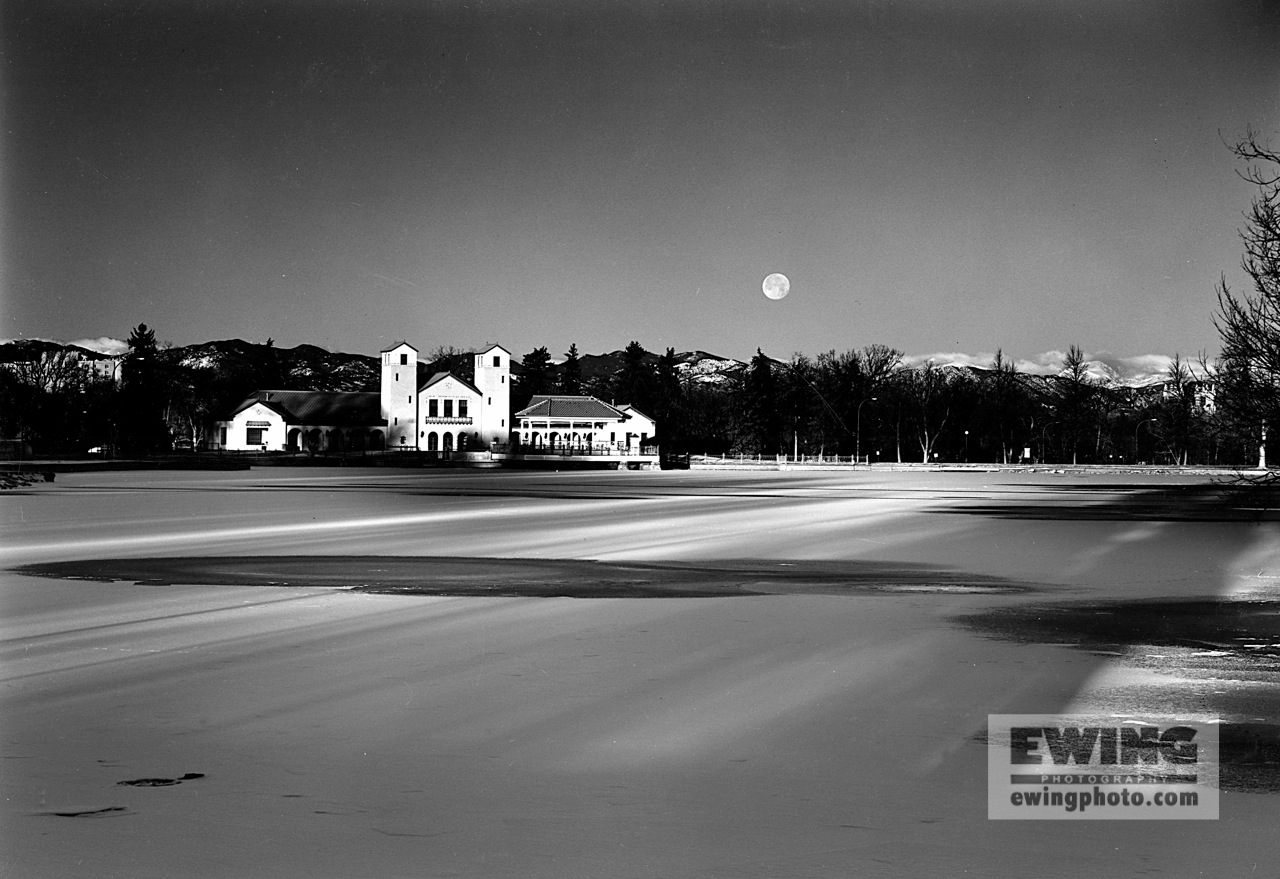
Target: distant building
[(584, 424), (444, 413), (466, 417), (304, 420), (53, 367)]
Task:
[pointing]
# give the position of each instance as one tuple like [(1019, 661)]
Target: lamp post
[(966, 447), (1135, 438), (857, 430), (1044, 440)]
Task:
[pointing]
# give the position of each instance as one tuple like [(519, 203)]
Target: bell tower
[(399, 401), (493, 380)]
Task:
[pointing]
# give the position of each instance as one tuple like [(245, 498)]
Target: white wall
[(452, 390), (273, 435), (494, 381), (399, 401), (641, 427)]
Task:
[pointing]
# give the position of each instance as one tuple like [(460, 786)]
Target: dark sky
[(936, 176)]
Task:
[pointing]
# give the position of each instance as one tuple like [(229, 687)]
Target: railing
[(447, 419), (782, 459), (14, 449), (611, 449)]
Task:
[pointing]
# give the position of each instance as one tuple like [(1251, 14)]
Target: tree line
[(151, 403), (860, 403), (867, 403)]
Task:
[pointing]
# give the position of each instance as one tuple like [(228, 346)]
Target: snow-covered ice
[(339, 733)]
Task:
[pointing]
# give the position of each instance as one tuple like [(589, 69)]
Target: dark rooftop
[(337, 408), (569, 407)]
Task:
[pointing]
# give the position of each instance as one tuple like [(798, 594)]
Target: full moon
[(776, 286)]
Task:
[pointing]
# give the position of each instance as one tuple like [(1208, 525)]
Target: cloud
[(1046, 363)]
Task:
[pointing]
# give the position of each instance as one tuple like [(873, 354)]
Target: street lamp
[(1044, 440), (966, 447), (857, 430), (1135, 438)]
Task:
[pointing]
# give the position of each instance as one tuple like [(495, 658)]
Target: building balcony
[(430, 419)]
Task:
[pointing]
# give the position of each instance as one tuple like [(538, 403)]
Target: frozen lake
[(816, 710)]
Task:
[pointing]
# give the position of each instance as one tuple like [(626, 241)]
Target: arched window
[(433, 442), (448, 442)]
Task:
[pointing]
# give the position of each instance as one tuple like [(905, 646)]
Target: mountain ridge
[(310, 367)]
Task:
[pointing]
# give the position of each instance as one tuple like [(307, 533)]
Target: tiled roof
[(569, 407), (441, 376), (337, 408), (394, 347)]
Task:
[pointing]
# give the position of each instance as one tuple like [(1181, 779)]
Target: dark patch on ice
[(1227, 639), (1250, 628), (572, 578), (161, 782), (91, 813), (1249, 757), (1209, 502)]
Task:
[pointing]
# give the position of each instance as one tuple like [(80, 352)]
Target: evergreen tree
[(571, 373), (274, 374), (669, 403), (140, 422), (536, 378), (1077, 403), (759, 427), (636, 380)]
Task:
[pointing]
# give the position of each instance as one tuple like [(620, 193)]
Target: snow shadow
[(1206, 502), (561, 578)]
